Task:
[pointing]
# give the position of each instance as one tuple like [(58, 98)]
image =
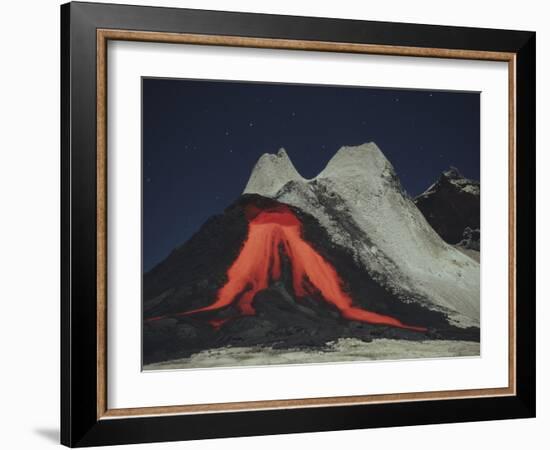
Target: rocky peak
[(362, 167), (451, 180), (452, 173), (451, 205), (271, 173), (366, 159)]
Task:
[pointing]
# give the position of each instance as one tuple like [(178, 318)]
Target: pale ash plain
[(343, 350)]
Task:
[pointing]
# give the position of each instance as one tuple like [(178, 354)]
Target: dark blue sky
[(201, 140)]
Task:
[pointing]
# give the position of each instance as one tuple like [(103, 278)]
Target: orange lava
[(259, 263)]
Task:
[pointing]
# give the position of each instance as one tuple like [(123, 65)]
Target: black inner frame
[(79, 423)]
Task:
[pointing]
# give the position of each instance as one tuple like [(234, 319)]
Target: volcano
[(359, 201), (297, 264), (258, 264)]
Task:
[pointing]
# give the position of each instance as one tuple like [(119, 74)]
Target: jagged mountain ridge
[(271, 173), (359, 201), (452, 207)]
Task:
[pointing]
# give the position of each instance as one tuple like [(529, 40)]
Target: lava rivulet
[(259, 263)]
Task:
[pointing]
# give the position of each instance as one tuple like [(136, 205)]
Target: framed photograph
[(276, 224)]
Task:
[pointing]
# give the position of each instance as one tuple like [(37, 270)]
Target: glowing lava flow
[(259, 263)]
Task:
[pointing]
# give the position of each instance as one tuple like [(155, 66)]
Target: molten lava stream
[(259, 262)]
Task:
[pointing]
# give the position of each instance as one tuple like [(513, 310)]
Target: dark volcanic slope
[(451, 205), (192, 275)]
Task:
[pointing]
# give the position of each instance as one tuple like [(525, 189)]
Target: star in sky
[(172, 144)]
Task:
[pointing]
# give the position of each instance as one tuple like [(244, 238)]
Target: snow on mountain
[(271, 173), (358, 199), (455, 178)]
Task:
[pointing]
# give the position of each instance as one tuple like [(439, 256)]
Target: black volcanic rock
[(470, 239), (451, 205), (192, 274)]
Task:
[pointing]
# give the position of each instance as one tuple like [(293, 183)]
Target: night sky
[(201, 140)]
